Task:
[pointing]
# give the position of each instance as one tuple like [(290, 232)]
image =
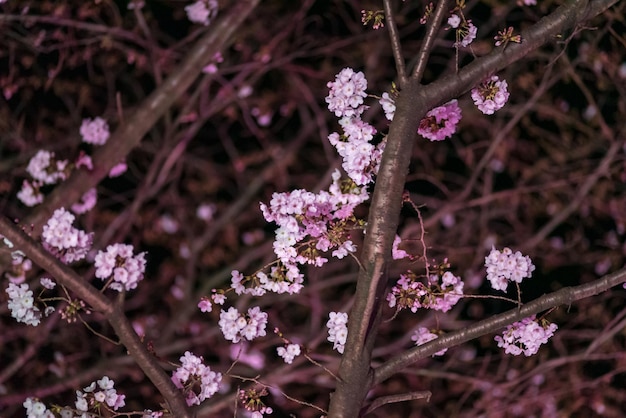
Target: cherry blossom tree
[(236, 208)]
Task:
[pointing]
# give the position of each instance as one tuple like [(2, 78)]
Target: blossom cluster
[(202, 11), (206, 304), (282, 278), (490, 95), (422, 335), (440, 122), (44, 170), (441, 293), (19, 266), (94, 131), (361, 158), (104, 393), (388, 104), (65, 242), (197, 380), (36, 409), (313, 223), (465, 30), (22, 304), (289, 352), (338, 330), (252, 402), (236, 326), (525, 336), (98, 394), (504, 266), (346, 94), (119, 264)]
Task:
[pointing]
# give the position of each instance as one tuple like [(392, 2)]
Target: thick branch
[(564, 296)]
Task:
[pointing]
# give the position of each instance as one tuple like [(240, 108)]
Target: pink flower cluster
[(490, 95), (347, 93), (198, 381), (323, 218), (22, 304), (440, 122), (338, 330), (440, 294), (288, 352), (95, 131), (202, 11), (44, 169), (505, 265), (86, 202), (283, 278), (205, 304), (465, 30), (361, 158), (119, 264), (65, 242), (423, 335), (525, 336), (388, 105), (236, 326), (36, 409), (94, 398)]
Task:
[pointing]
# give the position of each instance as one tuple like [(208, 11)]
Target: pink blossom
[(64, 241), (29, 194), (202, 11), (205, 305), (119, 263), (118, 169), (236, 326), (86, 202), (288, 352), (95, 131), (454, 21), (347, 93), (466, 33), (45, 169), (491, 95), (22, 304), (440, 294), (337, 330), (396, 253), (198, 380), (388, 105), (525, 336), (440, 123), (504, 266), (423, 335)]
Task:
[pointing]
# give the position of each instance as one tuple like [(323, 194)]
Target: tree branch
[(396, 47), (564, 296)]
